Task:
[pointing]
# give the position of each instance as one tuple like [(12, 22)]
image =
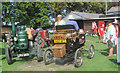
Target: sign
[(118, 50), (60, 41)]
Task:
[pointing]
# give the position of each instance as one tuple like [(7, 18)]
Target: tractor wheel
[(38, 46), (42, 42), (8, 56), (91, 51), (78, 58), (39, 53), (9, 49), (48, 56)]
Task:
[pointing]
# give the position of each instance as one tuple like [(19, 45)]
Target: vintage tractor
[(45, 37), (18, 44)]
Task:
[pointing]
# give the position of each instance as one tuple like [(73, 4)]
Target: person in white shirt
[(59, 21), (110, 38)]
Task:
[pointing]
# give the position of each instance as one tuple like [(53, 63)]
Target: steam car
[(67, 43)]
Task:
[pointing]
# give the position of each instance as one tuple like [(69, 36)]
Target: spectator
[(116, 30), (31, 28), (94, 28), (59, 21), (87, 33), (26, 27), (110, 38), (105, 33), (28, 32), (101, 32)]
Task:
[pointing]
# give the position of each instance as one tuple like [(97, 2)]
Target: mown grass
[(98, 63)]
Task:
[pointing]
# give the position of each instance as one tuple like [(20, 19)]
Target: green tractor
[(18, 44)]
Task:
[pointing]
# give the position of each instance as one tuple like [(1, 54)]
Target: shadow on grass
[(23, 59), (113, 60), (3, 51), (105, 52)]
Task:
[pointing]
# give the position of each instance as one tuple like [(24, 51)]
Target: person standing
[(110, 38), (101, 32), (105, 33), (59, 21), (28, 32), (95, 30), (116, 30), (26, 28)]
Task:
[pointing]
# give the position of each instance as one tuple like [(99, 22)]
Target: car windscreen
[(63, 27)]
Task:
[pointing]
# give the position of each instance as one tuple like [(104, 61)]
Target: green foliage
[(56, 8), (38, 14), (91, 7), (33, 14)]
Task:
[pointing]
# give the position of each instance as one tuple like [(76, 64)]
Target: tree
[(39, 14), (91, 7), (35, 14), (57, 8)]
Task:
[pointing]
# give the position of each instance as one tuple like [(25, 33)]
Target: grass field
[(98, 63)]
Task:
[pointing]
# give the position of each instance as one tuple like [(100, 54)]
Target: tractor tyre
[(8, 56), (39, 48), (9, 48), (39, 53)]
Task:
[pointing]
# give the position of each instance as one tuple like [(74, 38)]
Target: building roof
[(81, 16), (87, 15), (114, 9)]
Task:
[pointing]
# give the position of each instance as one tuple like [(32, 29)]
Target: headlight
[(68, 35)]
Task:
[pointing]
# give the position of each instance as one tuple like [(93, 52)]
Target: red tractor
[(45, 37)]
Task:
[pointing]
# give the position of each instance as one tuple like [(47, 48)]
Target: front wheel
[(48, 56), (91, 51), (78, 58)]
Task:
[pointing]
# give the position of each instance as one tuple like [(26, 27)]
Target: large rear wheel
[(48, 56), (78, 58), (38, 47), (9, 49)]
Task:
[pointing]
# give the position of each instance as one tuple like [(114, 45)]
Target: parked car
[(67, 43)]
